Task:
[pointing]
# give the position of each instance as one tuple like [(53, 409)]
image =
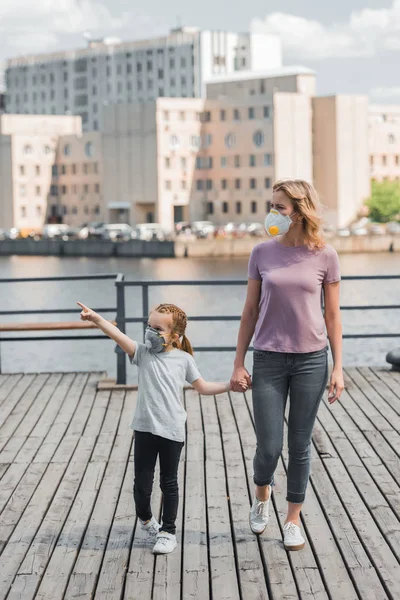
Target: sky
[(353, 45)]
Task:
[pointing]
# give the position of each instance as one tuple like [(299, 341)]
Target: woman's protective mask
[(154, 340), (276, 223)]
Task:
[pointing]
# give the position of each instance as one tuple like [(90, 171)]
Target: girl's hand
[(336, 385), (240, 380), (88, 314)]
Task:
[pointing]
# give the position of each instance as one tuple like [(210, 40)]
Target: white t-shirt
[(162, 376)]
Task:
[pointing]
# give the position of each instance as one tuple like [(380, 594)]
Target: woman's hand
[(336, 385), (240, 380), (88, 314)]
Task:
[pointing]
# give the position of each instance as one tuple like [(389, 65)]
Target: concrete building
[(384, 142), (82, 81), (341, 156), (28, 148)]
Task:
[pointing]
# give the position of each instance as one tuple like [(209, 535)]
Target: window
[(230, 140), (65, 77), (47, 150), (86, 168), (183, 184), (222, 115), (172, 63), (252, 160), (236, 115), (268, 206), (397, 159), (22, 170), (119, 70), (86, 210), (251, 113), (267, 160), (89, 149), (160, 73), (23, 211), (237, 184), (95, 108), (206, 140), (128, 69), (168, 185), (174, 143), (391, 138), (210, 208), (267, 183), (237, 161), (43, 79), (28, 149), (199, 185), (97, 188), (253, 183), (54, 170), (149, 65), (139, 67), (199, 162), (238, 208), (43, 96), (195, 142), (37, 170), (371, 161), (258, 139), (119, 88), (54, 190), (183, 81), (73, 169), (266, 112), (97, 209), (253, 207), (181, 115), (224, 161), (209, 184), (206, 116), (38, 190), (225, 207), (86, 188), (38, 211), (167, 162), (64, 190), (384, 160), (22, 190), (81, 65), (74, 210), (224, 184), (166, 115), (183, 62)]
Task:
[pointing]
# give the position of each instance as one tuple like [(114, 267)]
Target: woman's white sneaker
[(152, 527), (166, 543), (292, 538), (259, 515)]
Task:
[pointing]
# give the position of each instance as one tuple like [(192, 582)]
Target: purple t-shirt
[(290, 317)]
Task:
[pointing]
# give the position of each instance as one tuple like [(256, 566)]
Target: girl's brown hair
[(307, 205), (179, 323)]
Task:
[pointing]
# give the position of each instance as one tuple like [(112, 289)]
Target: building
[(81, 82), (384, 142), (341, 156), (28, 147)]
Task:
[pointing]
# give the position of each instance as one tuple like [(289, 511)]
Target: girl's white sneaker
[(166, 543), (152, 527), (292, 538)]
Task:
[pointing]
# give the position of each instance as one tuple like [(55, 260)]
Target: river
[(99, 355)]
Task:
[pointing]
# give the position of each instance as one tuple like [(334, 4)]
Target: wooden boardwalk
[(67, 522)]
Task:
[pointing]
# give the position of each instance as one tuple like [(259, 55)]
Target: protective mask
[(153, 339), (277, 224)]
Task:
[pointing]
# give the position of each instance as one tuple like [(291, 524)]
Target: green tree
[(384, 204)]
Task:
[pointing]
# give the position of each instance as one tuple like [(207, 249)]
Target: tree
[(384, 204)]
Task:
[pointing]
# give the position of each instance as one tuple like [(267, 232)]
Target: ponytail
[(186, 346)]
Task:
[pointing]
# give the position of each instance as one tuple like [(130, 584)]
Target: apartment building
[(384, 142), (83, 81)]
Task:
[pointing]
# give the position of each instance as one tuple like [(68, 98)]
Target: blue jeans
[(275, 375)]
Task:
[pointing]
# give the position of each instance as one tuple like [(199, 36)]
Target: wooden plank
[(84, 577), (224, 578), (3, 469), (8, 386), (16, 395), (381, 387), (18, 427), (195, 575), (252, 577), (59, 568)]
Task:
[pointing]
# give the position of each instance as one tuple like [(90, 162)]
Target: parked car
[(117, 231), (91, 230), (152, 231), (54, 231), (255, 229), (203, 229), (343, 232), (183, 228), (393, 227), (359, 231)]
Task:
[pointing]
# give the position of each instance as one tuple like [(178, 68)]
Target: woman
[(286, 278)]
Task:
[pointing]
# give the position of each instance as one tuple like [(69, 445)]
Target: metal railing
[(122, 319)]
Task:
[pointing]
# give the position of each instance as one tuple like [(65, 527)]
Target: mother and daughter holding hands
[(287, 276)]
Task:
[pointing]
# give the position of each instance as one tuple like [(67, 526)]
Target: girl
[(287, 276), (165, 362)]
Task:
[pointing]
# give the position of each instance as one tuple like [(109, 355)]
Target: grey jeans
[(275, 375)]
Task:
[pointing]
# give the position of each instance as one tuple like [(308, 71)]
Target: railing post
[(145, 304), (121, 358)]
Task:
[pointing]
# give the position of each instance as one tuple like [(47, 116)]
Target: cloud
[(385, 94), (365, 33)]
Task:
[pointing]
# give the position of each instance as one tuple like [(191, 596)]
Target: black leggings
[(147, 448)]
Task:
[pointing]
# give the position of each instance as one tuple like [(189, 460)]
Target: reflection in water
[(218, 300)]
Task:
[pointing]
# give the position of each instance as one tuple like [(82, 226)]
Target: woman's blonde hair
[(307, 205), (179, 324)]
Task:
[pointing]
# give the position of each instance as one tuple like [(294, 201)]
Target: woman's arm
[(333, 323), (125, 342), (209, 388), (246, 331)]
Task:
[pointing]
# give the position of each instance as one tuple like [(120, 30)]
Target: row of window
[(24, 211), (383, 160), (87, 169), (204, 141), (208, 184), (250, 113), (63, 190), (254, 160), (225, 207)]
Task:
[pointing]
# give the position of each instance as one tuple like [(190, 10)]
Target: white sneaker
[(292, 538), (166, 543), (259, 514), (152, 527)]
